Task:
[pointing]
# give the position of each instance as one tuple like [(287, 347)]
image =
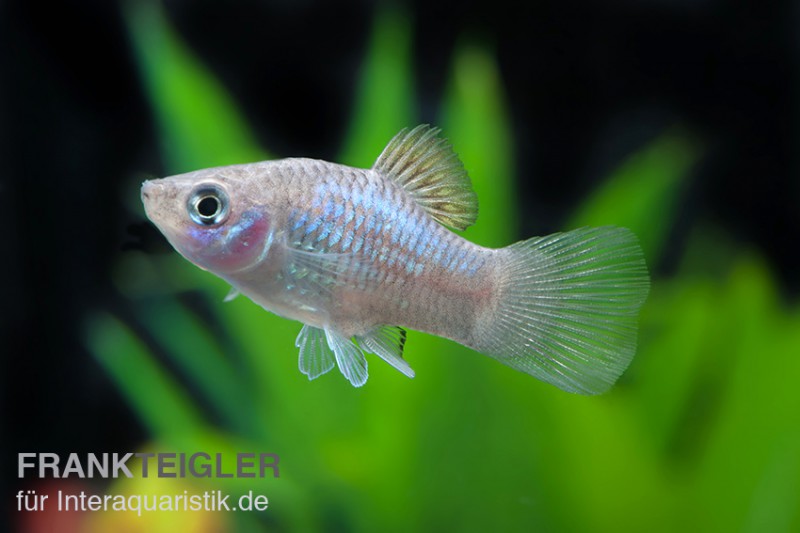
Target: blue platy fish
[(357, 255)]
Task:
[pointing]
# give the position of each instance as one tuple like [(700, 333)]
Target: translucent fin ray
[(387, 342), (316, 357), (349, 357), (232, 294), (319, 272), (428, 168), (568, 307)]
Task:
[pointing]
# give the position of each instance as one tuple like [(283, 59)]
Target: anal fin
[(387, 343)]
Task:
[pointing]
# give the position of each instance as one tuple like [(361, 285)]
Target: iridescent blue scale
[(369, 225), (336, 236), (401, 233), (422, 244), (338, 211), (347, 240), (437, 255), (312, 226), (457, 259), (326, 230), (412, 240), (300, 222), (359, 221), (392, 259), (359, 243), (349, 215)]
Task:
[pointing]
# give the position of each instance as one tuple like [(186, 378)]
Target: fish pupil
[(208, 207)]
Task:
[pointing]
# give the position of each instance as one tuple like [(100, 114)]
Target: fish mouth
[(154, 195), (149, 190)]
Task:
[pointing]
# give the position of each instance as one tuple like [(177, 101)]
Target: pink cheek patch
[(232, 247), (245, 243)]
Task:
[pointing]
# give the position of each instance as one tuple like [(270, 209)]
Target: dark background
[(587, 82)]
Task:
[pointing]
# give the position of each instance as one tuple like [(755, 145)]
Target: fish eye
[(208, 205)]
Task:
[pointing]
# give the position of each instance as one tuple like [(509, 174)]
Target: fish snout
[(149, 190), (155, 198)]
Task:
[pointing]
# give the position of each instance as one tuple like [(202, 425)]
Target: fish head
[(209, 219)]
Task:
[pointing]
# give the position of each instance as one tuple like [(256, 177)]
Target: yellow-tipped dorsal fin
[(427, 167)]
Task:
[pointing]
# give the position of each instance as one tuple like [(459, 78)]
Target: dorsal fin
[(428, 168)]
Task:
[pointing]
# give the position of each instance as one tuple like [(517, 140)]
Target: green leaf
[(200, 357), (644, 193), (476, 122), (384, 100), (199, 124), (161, 403)]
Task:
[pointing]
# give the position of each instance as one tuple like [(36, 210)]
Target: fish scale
[(358, 255)]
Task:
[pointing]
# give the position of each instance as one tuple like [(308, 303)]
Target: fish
[(360, 256)]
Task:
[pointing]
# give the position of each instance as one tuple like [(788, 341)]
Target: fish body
[(358, 255)]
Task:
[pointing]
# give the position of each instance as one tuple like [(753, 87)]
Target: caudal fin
[(567, 307)]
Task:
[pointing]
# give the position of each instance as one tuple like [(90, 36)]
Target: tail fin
[(567, 307)]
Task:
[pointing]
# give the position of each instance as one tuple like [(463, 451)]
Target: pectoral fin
[(233, 293), (319, 272)]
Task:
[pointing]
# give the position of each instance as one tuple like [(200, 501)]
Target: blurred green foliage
[(700, 434)]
